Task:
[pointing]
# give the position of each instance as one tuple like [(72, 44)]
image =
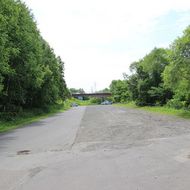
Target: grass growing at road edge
[(79, 102), (30, 116), (159, 109)]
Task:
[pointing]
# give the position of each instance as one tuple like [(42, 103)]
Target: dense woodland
[(162, 77), (30, 73)]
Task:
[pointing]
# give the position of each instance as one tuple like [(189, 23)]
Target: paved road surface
[(98, 148)]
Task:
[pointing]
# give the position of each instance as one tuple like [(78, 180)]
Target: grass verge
[(79, 102), (8, 123), (159, 109)]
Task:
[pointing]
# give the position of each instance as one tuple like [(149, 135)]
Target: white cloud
[(96, 38)]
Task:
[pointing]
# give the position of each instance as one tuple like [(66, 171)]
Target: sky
[(99, 39)]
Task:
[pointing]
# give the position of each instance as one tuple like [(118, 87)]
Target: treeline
[(30, 73), (77, 91), (162, 77)]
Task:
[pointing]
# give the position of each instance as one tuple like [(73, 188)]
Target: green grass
[(92, 101), (30, 116), (79, 102), (159, 109)]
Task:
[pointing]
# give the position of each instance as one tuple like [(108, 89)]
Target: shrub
[(175, 103), (95, 100)]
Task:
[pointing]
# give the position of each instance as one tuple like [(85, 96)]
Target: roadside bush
[(95, 100), (8, 116), (175, 103)]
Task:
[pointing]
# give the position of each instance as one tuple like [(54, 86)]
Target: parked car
[(106, 102), (74, 104)]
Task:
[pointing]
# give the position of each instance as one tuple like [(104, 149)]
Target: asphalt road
[(98, 148)]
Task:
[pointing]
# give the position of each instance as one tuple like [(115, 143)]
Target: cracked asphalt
[(98, 148)]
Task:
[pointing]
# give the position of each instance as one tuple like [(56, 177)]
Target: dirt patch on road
[(23, 152)]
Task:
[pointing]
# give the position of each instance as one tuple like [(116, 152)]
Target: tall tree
[(146, 84), (30, 73), (119, 90), (177, 74)]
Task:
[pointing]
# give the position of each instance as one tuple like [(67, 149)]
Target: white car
[(106, 102)]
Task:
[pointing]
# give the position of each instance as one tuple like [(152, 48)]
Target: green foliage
[(105, 90), (132, 86), (175, 103), (95, 100), (77, 91), (160, 78), (119, 90), (146, 84), (30, 73), (177, 73), (159, 109), (79, 102), (110, 99), (91, 101), (12, 120)]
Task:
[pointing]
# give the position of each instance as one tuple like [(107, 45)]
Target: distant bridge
[(93, 95)]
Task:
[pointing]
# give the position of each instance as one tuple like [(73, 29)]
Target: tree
[(105, 90), (177, 73), (146, 83), (119, 90), (77, 91), (30, 73)]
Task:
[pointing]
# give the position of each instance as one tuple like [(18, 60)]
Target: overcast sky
[(98, 39)]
